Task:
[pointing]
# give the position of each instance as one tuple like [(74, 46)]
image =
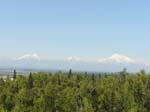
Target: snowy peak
[(29, 57), (74, 58), (118, 59)]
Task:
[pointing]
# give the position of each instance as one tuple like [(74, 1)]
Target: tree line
[(76, 92)]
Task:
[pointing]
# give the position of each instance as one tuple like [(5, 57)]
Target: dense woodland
[(76, 92)]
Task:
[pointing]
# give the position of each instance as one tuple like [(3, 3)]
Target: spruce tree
[(14, 75)]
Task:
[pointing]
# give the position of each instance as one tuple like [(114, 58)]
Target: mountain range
[(114, 63)]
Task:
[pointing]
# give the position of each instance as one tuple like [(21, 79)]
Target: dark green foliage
[(80, 92)]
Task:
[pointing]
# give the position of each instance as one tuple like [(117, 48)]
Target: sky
[(86, 28)]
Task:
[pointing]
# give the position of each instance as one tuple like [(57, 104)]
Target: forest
[(76, 92)]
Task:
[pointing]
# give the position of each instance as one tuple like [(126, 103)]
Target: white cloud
[(74, 58), (29, 56), (117, 58)]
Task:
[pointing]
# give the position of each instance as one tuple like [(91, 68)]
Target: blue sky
[(61, 28)]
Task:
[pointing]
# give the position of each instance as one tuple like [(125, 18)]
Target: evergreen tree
[(14, 75), (70, 73), (30, 81)]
